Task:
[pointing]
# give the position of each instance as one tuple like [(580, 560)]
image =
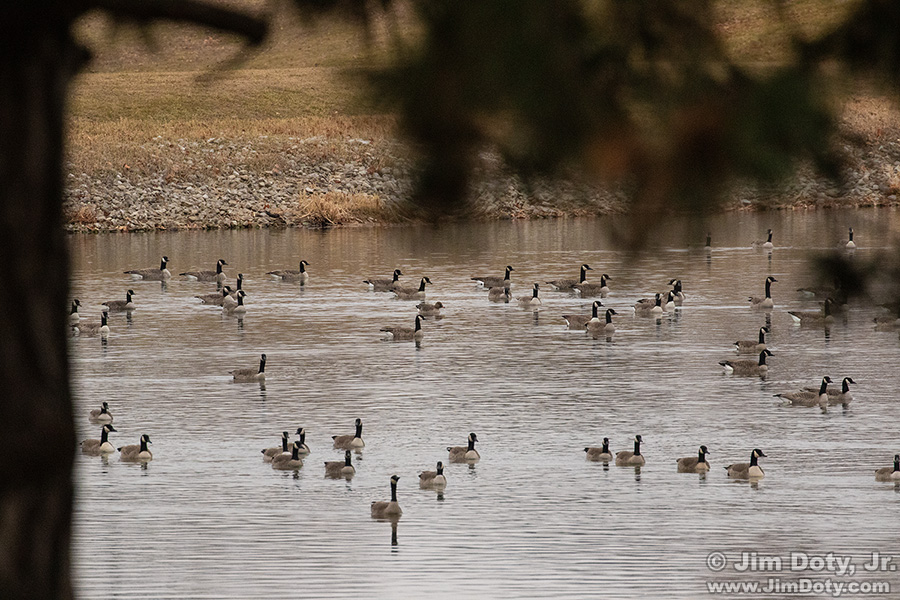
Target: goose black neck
[(534, 293), (603, 281), (594, 310), (240, 282), (104, 436), (608, 316), (658, 300), (396, 276), (240, 300), (605, 448), (753, 459), (262, 365), (295, 453), (104, 409), (506, 274), (762, 358), (896, 464), (845, 386), (701, 456), (851, 234), (422, 285), (359, 430), (302, 438), (768, 289), (823, 389), (393, 491), (302, 267), (583, 277), (103, 319), (827, 307), (162, 264), (762, 335), (218, 267), (440, 469), (769, 239), (347, 459), (143, 444), (74, 309), (418, 324), (128, 296), (708, 239), (637, 448), (284, 444), (471, 444)]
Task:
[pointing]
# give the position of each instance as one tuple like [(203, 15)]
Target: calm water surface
[(207, 518)]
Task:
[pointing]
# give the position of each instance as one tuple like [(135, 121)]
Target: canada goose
[(250, 374), (809, 398), (748, 367), (238, 284), (270, 453), (238, 308), (350, 442), (340, 468), (647, 308), (492, 282), (530, 301), (750, 470), (74, 317), (766, 302), (430, 310), (300, 275), (599, 454), (708, 245), (217, 299), (626, 458), (218, 276), (889, 473), (835, 397), (694, 464), (101, 415), (753, 346), (160, 274), (405, 334), (229, 300), (594, 289), (120, 305), (94, 329), (677, 292), (464, 453), (288, 462), (850, 245), (579, 321), (606, 327), (304, 448), (567, 285), (435, 480), (808, 317), (136, 452), (766, 245), (101, 446), (412, 293), (384, 285), (382, 510), (498, 294), (669, 305)]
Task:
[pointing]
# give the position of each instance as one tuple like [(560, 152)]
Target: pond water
[(207, 518)]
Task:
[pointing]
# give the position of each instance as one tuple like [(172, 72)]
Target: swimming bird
[(765, 302), (835, 397), (435, 480), (889, 473), (300, 275), (250, 374), (530, 301), (649, 308), (677, 292), (217, 276), (748, 367), (817, 318), (120, 305), (218, 298), (694, 464), (102, 446), (627, 458), (606, 327), (766, 245), (579, 321), (412, 293), (567, 285), (464, 453), (160, 274), (850, 245), (384, 285), (750, 470), (587, 290), (270, 453), (350, 442), (74, 317), (137, 452), (492, 282), (288, 462), (498, 294), (340, 468), (94, 329), (387, 510), (405, 334), (238, 308), (809, 398), (304, 448), (708, 246), (427, 309), (669, 305), (101, 415), (601, 454), (753, 346)]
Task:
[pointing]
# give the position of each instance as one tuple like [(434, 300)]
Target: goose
[(766, 245), (808, 397), (412, 293), (218, 276), (649, 308), (384, 285), (669, 306), (766, 302), (250, 374), (889, 473), (708, 246), (677, 292), (599, 454), (430, 310), (340, 468), (492, 282), (601, 289), (74, 317), (238, 284), (101, 446), (217, 299), (405, 334), (748, 346), (580, 321), (596, 326), (304, 448), (750, 470), (300, 275), (381, 510), (694, 464), (270, 453), (433, 479), (626, 458), (288, 462), (94, 329), (120, 305), (137, 452), (808, 317), (238, 308), (530, 301), (230, 300), (748, 367), (850, 245), (350, 442), (567, 285), (835, 397), (498, 294), (101, 415), (464, 453), (160, 274)]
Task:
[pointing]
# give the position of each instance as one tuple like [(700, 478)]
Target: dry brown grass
[(338, 208)]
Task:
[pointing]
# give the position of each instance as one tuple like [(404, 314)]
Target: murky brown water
[(207, 518)]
